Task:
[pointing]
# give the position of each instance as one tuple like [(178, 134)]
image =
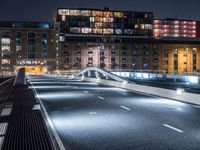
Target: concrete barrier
[(178, 94), (20, 79)]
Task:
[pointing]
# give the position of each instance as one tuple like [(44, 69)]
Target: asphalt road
[(169, 84), (89, 116)]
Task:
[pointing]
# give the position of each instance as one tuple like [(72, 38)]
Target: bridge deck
[(21, 127)]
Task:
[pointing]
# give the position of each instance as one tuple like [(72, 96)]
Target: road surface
[(90, 116)]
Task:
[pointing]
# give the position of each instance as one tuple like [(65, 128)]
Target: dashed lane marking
[(173, 128), (124, 107)]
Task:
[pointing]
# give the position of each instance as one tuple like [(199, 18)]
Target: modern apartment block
[(105, 38), (175, 28), (26, 44), (104, 22)]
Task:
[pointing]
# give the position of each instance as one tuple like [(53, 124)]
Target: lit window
[(63, 18), (86, 30), (85, 13), (107, 19), (96, 13), (118, 14), (63, 12), (75, 12), (107, 31), (107, 14), (5, 41), (148, 26), (5, 48), (98, 25), (128, 31), (97, 31), (142, 26), (91, 19)]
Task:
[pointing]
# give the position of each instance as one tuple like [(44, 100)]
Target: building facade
[(126, 40), (174, 28), (107, 39), (26, 44)]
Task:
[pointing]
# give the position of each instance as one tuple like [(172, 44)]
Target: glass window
[(31, 45), (75, 12), (128, 31), (98, 25), (107, 14), (148, 26), (98, 19), (107, 19), (86, 30), (107, 31), (97, 13), (5, 41), (85, 13), (5, 35), (5, 61), (118, 14), (75, 30), (97, 31), (118, 31), (5, 48), (63, 12), (91, 19)]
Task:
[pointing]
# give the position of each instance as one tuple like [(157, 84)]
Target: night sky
[(42, 10)]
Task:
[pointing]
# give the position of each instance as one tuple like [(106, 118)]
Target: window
[(5, 35), (128, 31), (118, 31), (97, 31), (18, 44), (5, 41), (107, 19), (107, 31), (75, 12), (148, 26), (63, 12), (119, 14), (85, 13), (107, 14), (5, 48), (91, 19), (97, 13), (98, 25), (75, 30), (86, 30), (5, 61), (31, 44), (44, 50)]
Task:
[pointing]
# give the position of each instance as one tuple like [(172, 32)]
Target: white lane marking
[(196, 106), (173, 128), (124, 107), (1, 141), (100, 97), (85, 91), (49, 121), (92, 113)]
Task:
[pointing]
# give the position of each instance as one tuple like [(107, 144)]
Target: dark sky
[(42, 10)]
